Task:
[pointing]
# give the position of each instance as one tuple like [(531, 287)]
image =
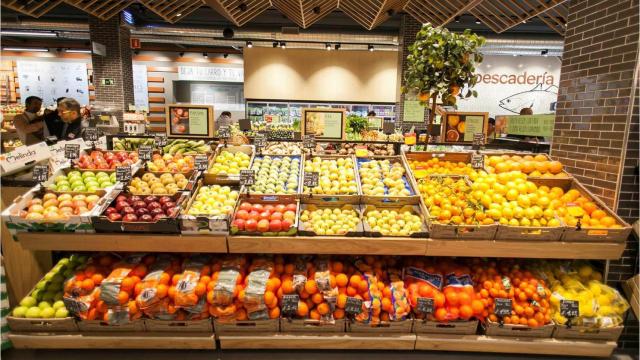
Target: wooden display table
[(113, 340)]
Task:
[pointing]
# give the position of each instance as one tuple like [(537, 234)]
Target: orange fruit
[(273, 284), (200, 289), (317, 298), (342, 280), (425, 291), (466, 311), (452, 298), (274, 313), (175, 279), (464, 298), (164, 278), (363, 286), (337, 267), (241, 315), (477, 306), (123, 297), (540, 157), (88, 285), (439, 299), (133, 307), (127, 284), (354, 281), (314, 314), (311, 287), (323, 308), (287, 287), (555, 167), (303, 309), (341, 301), (598, 214), (269, 297), (338, 314), (289, 269), (607, 221), (441, 314), (97, 279)]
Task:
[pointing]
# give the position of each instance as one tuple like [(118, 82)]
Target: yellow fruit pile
[(534, 166), (381, 177), (337, 176)]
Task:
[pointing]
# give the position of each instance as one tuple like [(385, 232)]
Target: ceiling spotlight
[(390, 12), (327, 46), (370, 47), (544, 52), (337, 46), (228, 33), (275, 44), (181, 54), (178, 14), (457, 19), (524, 21), (249, 44), (283, 45), (515, 54), (25, 49), (205, 55), (225, 56), (478, 21)]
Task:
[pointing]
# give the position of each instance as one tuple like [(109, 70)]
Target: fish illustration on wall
[(539, 99)]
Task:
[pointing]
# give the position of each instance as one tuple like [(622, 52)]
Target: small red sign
[(135, 43)]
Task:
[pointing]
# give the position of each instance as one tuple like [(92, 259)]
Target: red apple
[(142, 211), (275, 225), (120, 205), (292, 207), (286, 225), (146, 218), (264, 215), (171, 211), (128, 210), (242, 214), (130, 218), (245, 206), (139, 204), (257, 207), (154, 205), (134, 198), (269, 208), (168, 204), (157, 217), (114, 216), (110, 210), (157, 211), (280, 208), (250, 225), (254, 215), (239, 223), (263, 225), (276, 216), (150, 199), (164, 199)]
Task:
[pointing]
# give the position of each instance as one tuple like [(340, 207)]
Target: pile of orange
[(532, 165), (578, 209), (422, 169), (449, 201)]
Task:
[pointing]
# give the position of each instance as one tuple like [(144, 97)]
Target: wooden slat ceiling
[(305, 12), (239, 12), (556, 18), (172, 10), (438, 13), (501, 15), (35, 8), (371, 13), (102, 9)]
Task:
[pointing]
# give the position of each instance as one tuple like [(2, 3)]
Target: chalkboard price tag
[(388, 127), (90, 134), (260, 141), (290, 305), (123, 173), (477, 161), (144, 152), (244, 124), (201, 162), (309, 141), (353, 306), (478, 139), (40, 173), (503, 307), (160, 139), (424, 305), (72, 151), (569, 308), (311, 179), (247, 177), (224, 132)]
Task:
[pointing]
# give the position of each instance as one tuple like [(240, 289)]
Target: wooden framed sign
[(324, 123), (460, 127), (184, 120)]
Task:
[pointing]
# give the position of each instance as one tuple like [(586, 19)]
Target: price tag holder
[(247, 177), (569, 309), (477, 161), (388, 127), (502, 307), (478, 139), (290, 305), (40, 173), (72, 151), (160, 140), (309, 141), (201, 162), (90, 134), (224, 132), (123, 173), (424, 305), (311, 179), (244, 124), (259, 141), (353, 306), (144, 152)]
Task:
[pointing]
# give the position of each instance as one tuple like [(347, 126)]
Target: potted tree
[(442, 63)]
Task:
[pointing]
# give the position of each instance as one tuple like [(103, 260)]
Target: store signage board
[(290, 305), (108, 82), (224, 132), (413, 112), (388, 127), (211, 73), (324, 123), (375, 122), (90, 134), (160, 139), (474, 125), (459, 127), (189, 121), (477, 161), (569, 308), (98, 49), (201, 162), (140, 86), (259, 141), (309, 141), (311, 179), (503, 307), (51, 80), (529, 125)]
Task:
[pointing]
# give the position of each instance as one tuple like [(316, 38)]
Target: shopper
[(71, 114), (52, 120), (223, 120), (29, 125)]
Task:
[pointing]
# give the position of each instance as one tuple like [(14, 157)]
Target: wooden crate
[(451, 327), (210, 179), (302, 231), (631, 288), (412, 199), (415, 209), (247, 326), (103, 326), (290, 200), (288, 325), (458, 232), (204, 224), (384, 327), (246, 191), (464, 157), (528, 233), (191, 326), (309, 198), (586, 333), (495, 329), (42, 325), (566, 179)]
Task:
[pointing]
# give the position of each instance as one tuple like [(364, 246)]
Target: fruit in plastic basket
[(141, 208), (532, 165), (336, 176), (106, 160), (171, 163), (228, 163), (83, 181), (275, 175), (58, 208), (327, 221), (381, 177), (435, 166), (393, 222), (149, 184), (214, 200), (264, 218)]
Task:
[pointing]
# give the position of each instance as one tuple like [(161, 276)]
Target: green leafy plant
[(442, 63), (356, 124)]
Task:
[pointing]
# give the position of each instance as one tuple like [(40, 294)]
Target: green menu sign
[(531, 125), (413, 112), (474, 125), (198, 121)]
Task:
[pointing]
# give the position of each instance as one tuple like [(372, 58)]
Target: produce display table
[(113, 340)]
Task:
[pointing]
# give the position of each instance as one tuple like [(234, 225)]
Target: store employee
[(29, 125), (70, 114)]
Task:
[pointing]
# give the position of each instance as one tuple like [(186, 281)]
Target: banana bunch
[(131, 144), (183, 146)]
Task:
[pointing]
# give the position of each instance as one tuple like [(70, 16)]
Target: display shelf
[(481, 343), (319, 341), (327, 245), (113, 340), (123, 242), (526, 249)]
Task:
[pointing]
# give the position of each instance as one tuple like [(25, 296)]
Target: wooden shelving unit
[(113, 340), (319, 341)]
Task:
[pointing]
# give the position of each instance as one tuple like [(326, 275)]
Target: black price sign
[(502, 307), (310, 179), (569, 308), (477, 161), (247, 177), (144, 152), (202, 162), (90, 134), (40, 173), (123, 173), (160, 139), (309, 141), (353, 306), (244, 124), (424, 305), (388, 127), (72, 151), (224, 132), (478, 139), (260, 141), (290, 305)]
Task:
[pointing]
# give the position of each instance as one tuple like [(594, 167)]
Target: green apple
[(80, 188), (42, 284), (33, 312), (64, 261), (53, 187), (74, 173), (92, 188), (102, 174), (77, 183), (37, 294), (63, 188), (61, 313), (47, 313), (20, 311), (28, 301), (44, 305), (88, 174), (62, 182), (58, 304), (60, 178)]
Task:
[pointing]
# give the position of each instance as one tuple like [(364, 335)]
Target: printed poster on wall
[(50, 80), (140, 88), (413, 112), (506, 84)]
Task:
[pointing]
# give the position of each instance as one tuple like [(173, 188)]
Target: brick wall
[(115, 65)]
